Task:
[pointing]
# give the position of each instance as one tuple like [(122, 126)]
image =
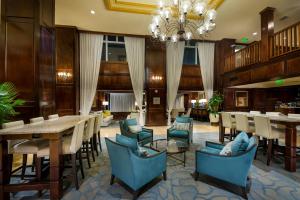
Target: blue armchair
[(143, 137), (133, 170), (232, 169), (186, 135)]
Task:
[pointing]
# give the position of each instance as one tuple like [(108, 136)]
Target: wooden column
[(155, 89), (267, 30), (67, 61)]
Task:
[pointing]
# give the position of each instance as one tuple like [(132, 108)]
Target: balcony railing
[(285, 41), (247, 56), (281, 43)]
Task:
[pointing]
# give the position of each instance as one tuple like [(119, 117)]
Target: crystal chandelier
[(182, 20)]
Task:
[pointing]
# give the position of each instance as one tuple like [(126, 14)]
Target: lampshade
[(105, 103), (193, 101), (202, 101)]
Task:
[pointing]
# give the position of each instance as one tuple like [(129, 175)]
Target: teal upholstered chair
[(186, 135), (143, 137), (132, 169), (233, 169)]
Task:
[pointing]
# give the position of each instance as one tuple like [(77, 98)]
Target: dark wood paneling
[(67, 97), (155, 66), (267, 72), (46, 13), (27, 55), (190, 78), (21, 8), (267, 30), (293, 66)]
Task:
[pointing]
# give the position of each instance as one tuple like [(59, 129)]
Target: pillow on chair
[(181, 126), (135, 128), (226, 151), (240, 143)]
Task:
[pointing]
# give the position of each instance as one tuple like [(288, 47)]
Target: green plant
[(214, 103), (8, 101)]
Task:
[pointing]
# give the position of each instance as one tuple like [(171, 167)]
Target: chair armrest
[(172, 128), (148, 130), (214, 145), (147, 168), (131, 135), (233, 169)]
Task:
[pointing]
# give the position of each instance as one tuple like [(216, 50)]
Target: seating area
[(149, 100)]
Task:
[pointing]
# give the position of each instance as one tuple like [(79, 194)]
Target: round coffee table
[(172, 147)]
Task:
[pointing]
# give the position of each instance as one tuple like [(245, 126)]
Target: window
[(190, 56), (113, 48)]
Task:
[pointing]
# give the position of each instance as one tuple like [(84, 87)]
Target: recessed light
[(93, 12), (254, 34)]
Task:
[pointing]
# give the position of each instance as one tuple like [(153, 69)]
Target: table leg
[(290, 148), (4, 170), (55, 176), (221, 130)]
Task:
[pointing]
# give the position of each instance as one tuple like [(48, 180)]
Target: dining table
[(290, 124), (52, 130)]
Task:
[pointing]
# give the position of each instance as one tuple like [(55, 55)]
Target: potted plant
[(213, 107), (8, 101)]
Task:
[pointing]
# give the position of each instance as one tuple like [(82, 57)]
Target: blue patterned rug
[(181, 185)]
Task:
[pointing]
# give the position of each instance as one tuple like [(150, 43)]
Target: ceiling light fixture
[(93, 12), (254, 34), (173, 20)]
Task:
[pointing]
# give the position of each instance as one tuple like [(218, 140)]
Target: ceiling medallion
[(173, 20)]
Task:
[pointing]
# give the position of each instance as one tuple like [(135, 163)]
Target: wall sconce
[(156, 78), (193, 101), (64, 75)]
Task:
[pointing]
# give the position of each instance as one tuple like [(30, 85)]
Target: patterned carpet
[(181, 185)]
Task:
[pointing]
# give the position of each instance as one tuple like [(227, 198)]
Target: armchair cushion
[(144, 134), (135, 128), (240, 143), (129, 142), (252, 142), (211, 150), (181, 126), (226, 151), (183, 119), (179, 133)]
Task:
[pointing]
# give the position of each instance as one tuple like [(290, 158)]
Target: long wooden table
[(52, 130), (290, 136)]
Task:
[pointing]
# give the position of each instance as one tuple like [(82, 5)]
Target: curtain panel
[(175, 53), (122, 102), (206, 52), (135, 52), (90, 59)]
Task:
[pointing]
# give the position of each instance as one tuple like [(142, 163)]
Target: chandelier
[(179, 20)]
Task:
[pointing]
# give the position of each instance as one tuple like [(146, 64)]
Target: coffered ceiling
[(236, 18)]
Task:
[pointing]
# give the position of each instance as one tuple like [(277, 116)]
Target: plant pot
[(214, 119)]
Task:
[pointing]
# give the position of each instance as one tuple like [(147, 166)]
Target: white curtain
[(206, 52), (179, 102), (175, 53), (122, 102), (90, 59), (135, 52)]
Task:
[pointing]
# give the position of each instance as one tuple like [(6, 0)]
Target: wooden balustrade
[(247, 56), (285, 41)]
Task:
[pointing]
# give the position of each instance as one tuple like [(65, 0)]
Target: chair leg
[(92, 148), (80, 162), (112, 178), (269, 154), (95, 144), (33, 162), (87, 153), (196, 176), (99, 140), (74, 171), (24, 164), (165, 175), (136, 194), (244, 193)]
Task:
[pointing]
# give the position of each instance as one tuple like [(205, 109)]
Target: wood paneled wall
[(155, 66), (27, 53), (67, 61)]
